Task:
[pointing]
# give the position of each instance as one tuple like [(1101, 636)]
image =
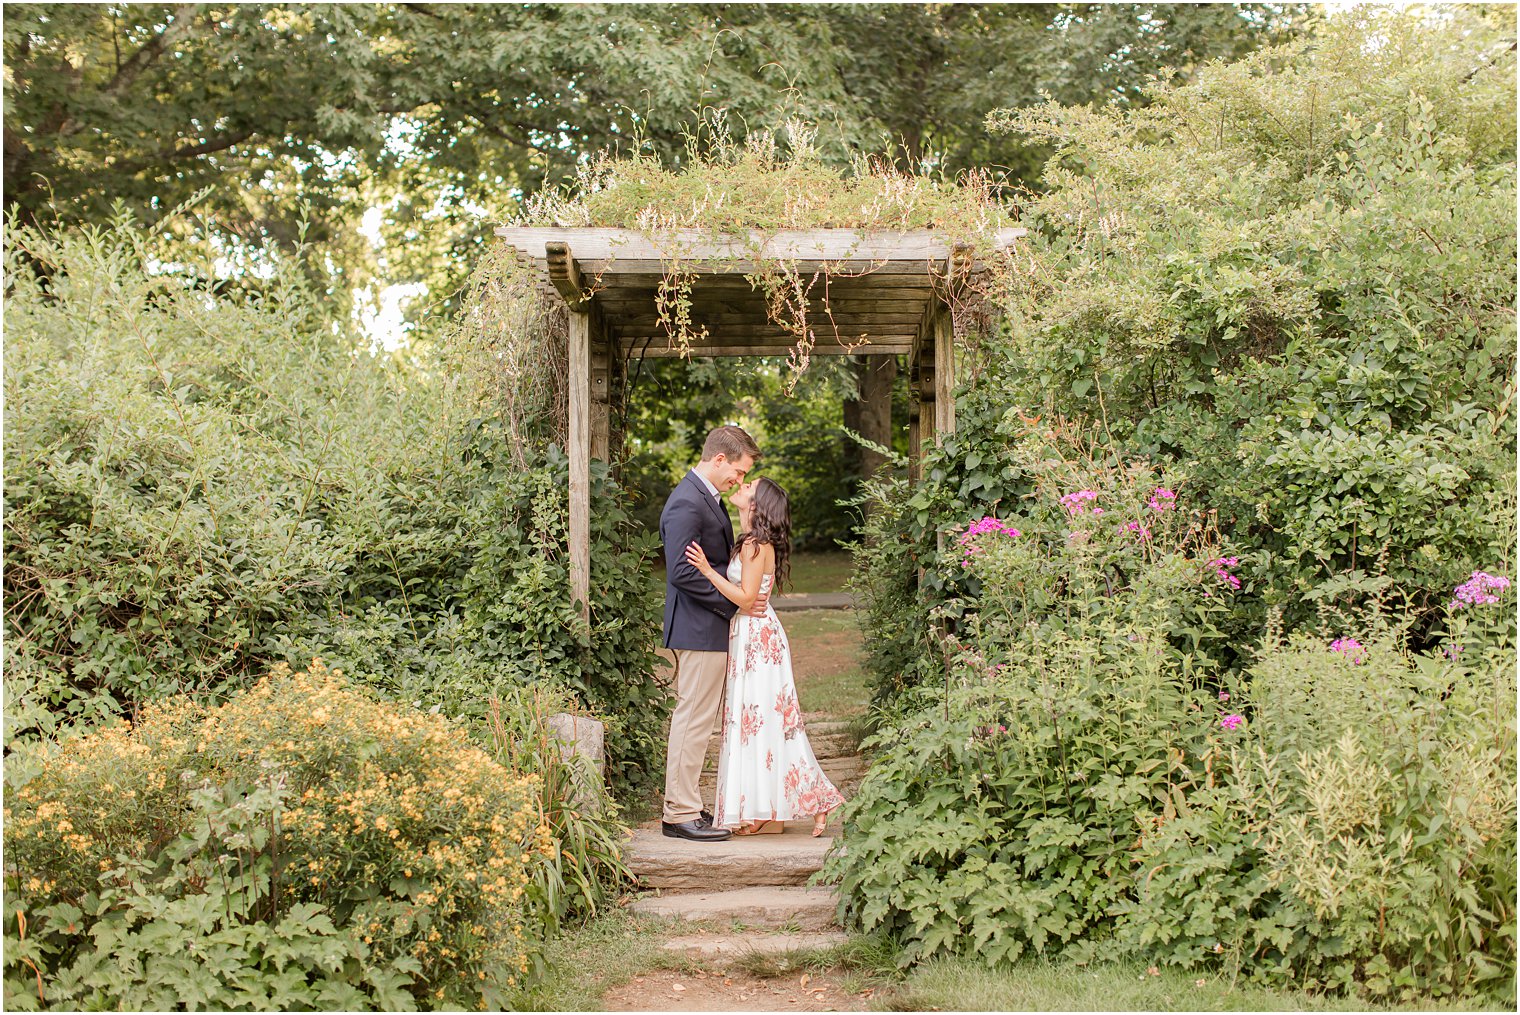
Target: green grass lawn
[(820, 571), (585, 962), (615, 947), (826, 662), (811, 571), (1038, 985)]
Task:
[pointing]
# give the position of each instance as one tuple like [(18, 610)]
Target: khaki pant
[(699, 691)]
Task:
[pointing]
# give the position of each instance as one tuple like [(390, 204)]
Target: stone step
[(808, 909), (710, 945), (742, 861)]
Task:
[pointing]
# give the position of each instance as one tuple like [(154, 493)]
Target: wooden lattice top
[(867, 292)]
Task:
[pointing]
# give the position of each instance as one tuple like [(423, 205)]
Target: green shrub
[(903, 575), (1102, 773), (1000, 810), (302, 845), (1294, 277), (200, 485), (1000, 819), (586, 870), (1357, 834)]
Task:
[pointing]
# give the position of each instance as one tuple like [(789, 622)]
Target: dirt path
[(731, 990)]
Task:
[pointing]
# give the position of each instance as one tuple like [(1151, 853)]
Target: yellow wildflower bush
[(383, 855)]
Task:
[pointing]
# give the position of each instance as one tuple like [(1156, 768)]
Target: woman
[(767, 773)]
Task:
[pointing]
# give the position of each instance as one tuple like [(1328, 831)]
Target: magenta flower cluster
[(1232, 722), (1479, 590), (1143, 531), (1221, 566), (1162, 500), (1077, 503), (968, 539), (1350, 648)]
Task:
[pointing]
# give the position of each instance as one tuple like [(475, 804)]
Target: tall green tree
[(305, 115)]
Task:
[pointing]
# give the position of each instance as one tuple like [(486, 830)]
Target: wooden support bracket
[(565, 273)]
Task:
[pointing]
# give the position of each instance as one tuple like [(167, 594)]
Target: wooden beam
[(915, 427), (875, 378), (819, 322), (921, 375), (928, 411), (806, 245), (565, 273), (580, 463), (761, 332), (896, 275), (617, 293), (657, 349)]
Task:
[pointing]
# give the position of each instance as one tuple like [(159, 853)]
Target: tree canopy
[(305, 116)]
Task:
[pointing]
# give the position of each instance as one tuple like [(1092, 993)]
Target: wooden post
[(915, 421), (928, 386), (580, 462), (944, 375), (600, 375), (565, 274), (876, 378)]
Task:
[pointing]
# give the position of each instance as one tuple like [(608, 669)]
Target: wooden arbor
[(868, 294)]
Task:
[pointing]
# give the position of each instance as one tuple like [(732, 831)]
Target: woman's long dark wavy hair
[(771, 522)]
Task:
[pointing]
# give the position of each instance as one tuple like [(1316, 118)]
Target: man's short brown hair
[(732, 443)]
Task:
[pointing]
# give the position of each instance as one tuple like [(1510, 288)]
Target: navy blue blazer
[(696, 614)]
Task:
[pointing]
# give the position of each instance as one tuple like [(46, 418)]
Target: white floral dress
[(766, 767)]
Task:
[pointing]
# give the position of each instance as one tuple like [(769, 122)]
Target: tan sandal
[(820, 822), (761, 828)]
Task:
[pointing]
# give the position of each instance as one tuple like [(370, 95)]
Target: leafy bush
[(1357, 833), (1103, 770), (303, 845), (1295, 278), (1342, 819), (999, 811), (903, 573), (586, 869), (200, 484), (1000, 818)]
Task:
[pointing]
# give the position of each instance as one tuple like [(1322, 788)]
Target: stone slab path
[(792, 601), (737, 908), (749, 894)]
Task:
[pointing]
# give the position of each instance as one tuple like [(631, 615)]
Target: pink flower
[(1224, 695), (1221, 566), (1350, 648), (1479, 590), (1143, 531), (968, 539), (749, 723), (1232, 722), (1076, 503), (1162, 500)]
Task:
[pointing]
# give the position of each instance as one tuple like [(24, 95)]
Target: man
[(696, 621)]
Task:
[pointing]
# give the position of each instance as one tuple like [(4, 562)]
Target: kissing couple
[(731, 651)]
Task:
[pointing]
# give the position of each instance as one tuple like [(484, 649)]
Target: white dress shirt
[(707, 483)]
